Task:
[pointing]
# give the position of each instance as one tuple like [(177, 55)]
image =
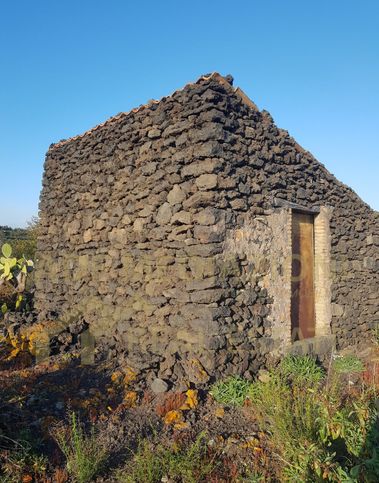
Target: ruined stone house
[(196, 237)]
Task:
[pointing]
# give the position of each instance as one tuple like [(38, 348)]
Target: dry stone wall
[(141, 228), (288, 172)]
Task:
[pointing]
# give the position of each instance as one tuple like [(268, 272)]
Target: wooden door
[(302, 283)]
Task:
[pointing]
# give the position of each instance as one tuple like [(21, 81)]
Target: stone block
[(206, 181), (209, 234), (183, 217), (176, 195), (87, 236), (154, 133), (200, 199), (198, 168), (203, 284), (207, 296), (164, 214), (202, 267)]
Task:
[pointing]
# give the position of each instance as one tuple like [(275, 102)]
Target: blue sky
[(66, 66)]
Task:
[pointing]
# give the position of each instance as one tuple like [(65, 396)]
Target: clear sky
[(68, 65)]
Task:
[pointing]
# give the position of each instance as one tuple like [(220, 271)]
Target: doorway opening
[(303, 320)]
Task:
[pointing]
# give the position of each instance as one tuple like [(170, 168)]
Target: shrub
[(233, 391), (85, 453), (24, 248), (289, 413), (23, 240), (151, 463), (318, 434)]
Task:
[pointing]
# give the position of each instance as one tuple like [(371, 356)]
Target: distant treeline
[(7, 234), (22, 240)]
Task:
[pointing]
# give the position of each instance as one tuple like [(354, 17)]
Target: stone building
[(196, 237)]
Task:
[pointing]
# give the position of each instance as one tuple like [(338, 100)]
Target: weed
[(375, 335), (60, 475), (348, 364), (289, 413), (301, 370), (85, 454), (319, 434), (171, 402), (151, 463), (21, 461), (253, 477), (233, 391)]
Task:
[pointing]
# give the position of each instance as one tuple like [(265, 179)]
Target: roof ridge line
[(134, 110)]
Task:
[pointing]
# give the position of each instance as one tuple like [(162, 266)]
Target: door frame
[(322, 265)]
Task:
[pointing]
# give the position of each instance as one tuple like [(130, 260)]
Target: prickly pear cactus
[(7, 263), (12, 269)]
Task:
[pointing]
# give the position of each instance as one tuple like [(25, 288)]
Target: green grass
[(231, 392), (301, 370), (85, 454), (153, 463), (253, 478), (348, 364), (375, 334)]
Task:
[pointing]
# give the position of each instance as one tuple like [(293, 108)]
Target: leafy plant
[(7, 264), (85, 454), (301, 370), (232, 391), (14, 269), (18, 344), (151, 463), (348, 364), (13, 276)]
